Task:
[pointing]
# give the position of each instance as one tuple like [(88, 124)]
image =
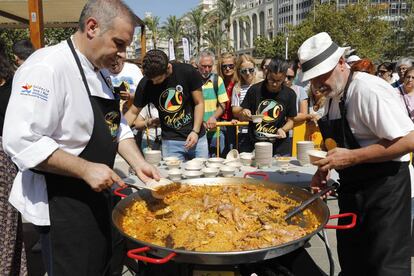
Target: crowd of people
[(69, 109)]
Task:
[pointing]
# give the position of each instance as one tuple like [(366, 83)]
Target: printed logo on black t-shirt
[(171, 102), (271, 111)]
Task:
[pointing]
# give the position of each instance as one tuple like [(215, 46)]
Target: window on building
[(270, 12)]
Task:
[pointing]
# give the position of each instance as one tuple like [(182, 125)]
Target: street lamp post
[(286, 46)]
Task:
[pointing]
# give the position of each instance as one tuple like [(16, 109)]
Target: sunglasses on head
[(247, 70), (227, 66)]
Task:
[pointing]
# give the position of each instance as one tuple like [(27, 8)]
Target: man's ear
[(92, 27)]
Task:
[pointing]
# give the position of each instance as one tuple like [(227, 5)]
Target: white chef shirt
[(49, 108), (374, 111)]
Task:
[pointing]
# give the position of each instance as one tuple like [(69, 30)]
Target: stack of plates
[(263, 154), (302, 148), (153, 156)]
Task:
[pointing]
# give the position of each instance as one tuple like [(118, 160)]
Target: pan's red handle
[(118, 192), (265, 175), (133, 255), (348, 226)]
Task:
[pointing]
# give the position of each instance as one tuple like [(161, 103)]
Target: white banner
[(186, 49), (171, 49)]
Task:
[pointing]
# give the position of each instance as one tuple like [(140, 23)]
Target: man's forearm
[(198, 116), (385, 150), (288, 125), (128, 149), (63, 163)]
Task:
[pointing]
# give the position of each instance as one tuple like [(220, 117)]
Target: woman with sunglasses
[(246, 76), (226, 70), (385, 70), (301, 96)]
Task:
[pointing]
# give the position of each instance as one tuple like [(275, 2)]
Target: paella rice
[(216, 218)]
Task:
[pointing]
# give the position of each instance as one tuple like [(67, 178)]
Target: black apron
[(379, 193), (81, 230)]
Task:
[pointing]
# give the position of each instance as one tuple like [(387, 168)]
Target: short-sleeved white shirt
[(374, 111), (49, 109)]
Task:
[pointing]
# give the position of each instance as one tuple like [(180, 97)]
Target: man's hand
[(153, 122), (245, 115), (280, 133), (191, 141), (125, 95), (211, 122), (338, 158), (100, 176), (147, 172), (319, 181)]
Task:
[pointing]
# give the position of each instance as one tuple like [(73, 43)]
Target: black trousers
[(380, 243)]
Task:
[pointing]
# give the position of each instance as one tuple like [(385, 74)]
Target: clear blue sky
[(162, 8)]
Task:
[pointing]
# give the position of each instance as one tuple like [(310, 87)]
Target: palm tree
[(173, 29), (225, 9), (214, 39), (197, 20), (152, 23)]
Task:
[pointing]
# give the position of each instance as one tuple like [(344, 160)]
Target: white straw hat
[(319, 55)]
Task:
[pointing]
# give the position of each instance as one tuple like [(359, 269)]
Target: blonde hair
[(243, 58), (220, 63)]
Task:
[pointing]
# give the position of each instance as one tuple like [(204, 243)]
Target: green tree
[(153, 24), (197, 20), (225, 10), (173, 28), (214, 38), (359, 26), (264, 47), (55, 35), (9, 36)]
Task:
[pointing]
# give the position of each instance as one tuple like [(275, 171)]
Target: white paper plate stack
[(302, 148), (263, 154)]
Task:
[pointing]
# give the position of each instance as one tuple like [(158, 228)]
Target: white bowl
[(153, 156), (216, 160), (170, 158), (315, 155), (247, 155), (175, 174), (227, 171), (210, 172), (200, 159), (196, 162), (192, 166), (173, 164), (257, 118), (215, 165), (282, 161), (192, 174), (235, 164), (246, 160), (233, 154)]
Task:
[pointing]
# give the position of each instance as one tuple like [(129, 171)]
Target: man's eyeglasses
[(247, 70), (206, 66), (290, 77), (382, 72), (227, 66)]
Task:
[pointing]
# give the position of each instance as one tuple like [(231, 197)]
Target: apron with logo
[(81, 230), (379, 193)]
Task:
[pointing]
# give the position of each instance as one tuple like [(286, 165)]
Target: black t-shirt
[(5, 92), (173, 100), (275, 107)]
